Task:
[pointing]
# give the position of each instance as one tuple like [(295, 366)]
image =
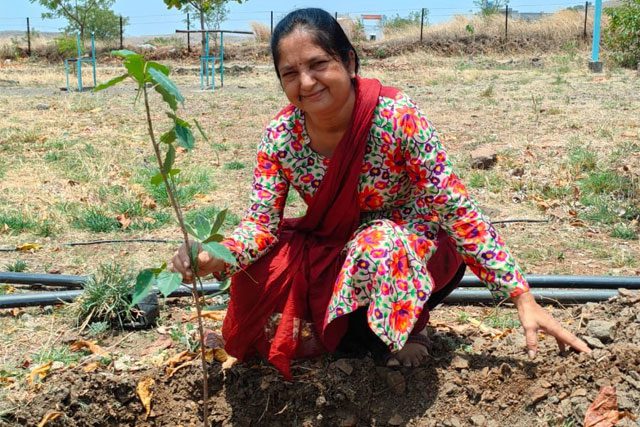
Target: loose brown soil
[(471, 378)]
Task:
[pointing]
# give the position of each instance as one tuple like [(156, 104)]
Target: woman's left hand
[(535, 318)]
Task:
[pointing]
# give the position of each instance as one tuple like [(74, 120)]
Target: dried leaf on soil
[(124, 220), (145, 394), (91, 367), (603, 411), (28, 247), (217, 354), (39, 372), (91, 346), (49, 417)]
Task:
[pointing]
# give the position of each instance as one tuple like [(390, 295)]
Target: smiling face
[(313, 80)]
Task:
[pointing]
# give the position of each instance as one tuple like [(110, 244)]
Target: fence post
[(121, 31), (335, 15), (188, 34), (28, 38), (506, 22), (272, 22), (586, 12), (421, 23)]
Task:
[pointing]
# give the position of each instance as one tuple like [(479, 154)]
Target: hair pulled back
[(325, 30)]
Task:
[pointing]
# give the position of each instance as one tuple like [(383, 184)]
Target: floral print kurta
[(407, 191)]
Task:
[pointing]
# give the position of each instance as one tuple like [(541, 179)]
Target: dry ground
[(568, 145)]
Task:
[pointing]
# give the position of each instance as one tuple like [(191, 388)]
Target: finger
[(531, 338), (561, 345), (567, 338)]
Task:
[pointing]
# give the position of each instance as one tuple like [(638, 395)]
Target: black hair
[(326, 31)]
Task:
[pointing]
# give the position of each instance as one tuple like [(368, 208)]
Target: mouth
[(313, 96)]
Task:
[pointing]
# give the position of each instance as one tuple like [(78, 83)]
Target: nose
[(307, 80)]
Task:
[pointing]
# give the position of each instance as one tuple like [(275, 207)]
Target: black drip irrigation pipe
[(52, 298), (468, 281)]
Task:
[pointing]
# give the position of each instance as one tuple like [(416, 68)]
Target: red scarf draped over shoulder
[(297, 275)]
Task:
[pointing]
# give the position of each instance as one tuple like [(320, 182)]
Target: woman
[(387, 227)]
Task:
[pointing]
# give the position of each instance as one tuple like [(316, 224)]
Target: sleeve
[(436, 186), (258, 230)]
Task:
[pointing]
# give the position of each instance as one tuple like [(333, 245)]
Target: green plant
[(622, 34), (17, 222), (185, 335), (624, 232), (106, 297), (17, 267), (234, 165), (97, 329), (188, 184), (96, 220), (582, 159), (60, 353), (149, 75), (488, 92)]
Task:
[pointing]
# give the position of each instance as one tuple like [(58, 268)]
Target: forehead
[(299, 46)]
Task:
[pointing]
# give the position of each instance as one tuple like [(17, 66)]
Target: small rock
[(601, 329), (453, 422), (545, 384), (478, 420), (460, 362), (350, 420), (579, 392), (344, 366), (57, 365), (505, 370), (47, 309), (483, 158), (448, 389), (537, 395), (396, 420), (396, 382), (321, 401), (517, 172), (593, 342), (553, 400), (26, 317), (42, 107), (146, 46)]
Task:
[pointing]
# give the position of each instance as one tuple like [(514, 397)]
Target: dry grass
[(90, 151), (261, 31)]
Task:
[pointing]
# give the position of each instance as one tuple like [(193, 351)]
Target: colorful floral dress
[(407, 192)]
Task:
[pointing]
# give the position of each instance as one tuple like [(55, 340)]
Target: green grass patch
[(501, 320), (624, 232), (234, 165), (17, 267), (582, 158), (60, 353), (487, 180), (189, 183), (21, 222), (607, 183), (95, 219)]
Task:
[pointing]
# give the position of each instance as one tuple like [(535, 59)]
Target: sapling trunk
[(168, 181)]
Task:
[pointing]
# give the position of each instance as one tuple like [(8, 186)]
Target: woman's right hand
[(181, 263)]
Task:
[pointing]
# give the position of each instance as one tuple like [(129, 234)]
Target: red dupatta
[(297, 275)]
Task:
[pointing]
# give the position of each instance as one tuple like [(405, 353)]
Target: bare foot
[(229, 363), (412, 354)]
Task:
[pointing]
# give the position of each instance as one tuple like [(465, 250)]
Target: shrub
[(622, 35)]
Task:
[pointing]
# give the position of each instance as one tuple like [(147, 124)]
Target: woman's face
[(312, 79)]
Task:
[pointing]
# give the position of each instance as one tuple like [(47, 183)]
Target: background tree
[(490, 7), (84, 16), (212, 19), (622, 34), (215, 9)]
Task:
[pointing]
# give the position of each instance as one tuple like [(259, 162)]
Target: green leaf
[(219, 251), (215, 237), (204, 135), (167, 97), (185, 137), (144, 283), (169, 159), (160, 67), (156, 179), (219, 220), (168, 137), (111, 82), (135, 66), (200, 227), (168, 282), (158, 270), (179, 121), (123, 53), (174, 172), (165, 83)]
